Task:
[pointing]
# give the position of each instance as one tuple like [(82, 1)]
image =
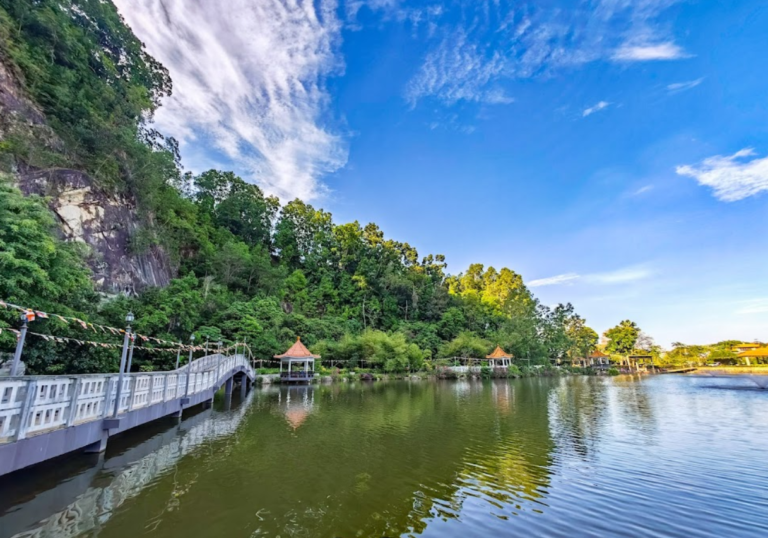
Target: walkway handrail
[(36, 404)]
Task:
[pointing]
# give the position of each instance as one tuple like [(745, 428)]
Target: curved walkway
[(42, 417)]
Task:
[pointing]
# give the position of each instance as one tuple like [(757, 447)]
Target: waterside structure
[(297, 365), (499, 358), (759, 354)]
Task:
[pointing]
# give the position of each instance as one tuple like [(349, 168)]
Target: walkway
[(42, 417)]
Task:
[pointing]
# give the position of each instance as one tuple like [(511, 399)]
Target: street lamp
[(130, 354), (128, 320), (19, 345)]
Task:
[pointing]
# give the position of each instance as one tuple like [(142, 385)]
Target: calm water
[(660, 456)]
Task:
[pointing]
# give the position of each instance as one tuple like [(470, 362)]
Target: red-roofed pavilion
[(499, 357), (297, 356)]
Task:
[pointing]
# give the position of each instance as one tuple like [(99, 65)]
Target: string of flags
[(107, 345), (31, 315)]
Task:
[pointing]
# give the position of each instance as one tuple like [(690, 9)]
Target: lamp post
[(19, 345), (130, 354), (118, 393), (189, 362), (178, 354)]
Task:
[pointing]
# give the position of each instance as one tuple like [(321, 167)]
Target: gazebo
[(499, 358), (757, 353), (598, 358), (297, 355)]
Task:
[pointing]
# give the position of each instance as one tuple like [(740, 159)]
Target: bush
[(613, 371)]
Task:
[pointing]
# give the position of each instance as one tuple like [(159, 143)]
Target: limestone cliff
[(103, 220)]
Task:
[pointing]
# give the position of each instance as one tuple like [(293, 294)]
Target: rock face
[(105, 222), (102, 220)]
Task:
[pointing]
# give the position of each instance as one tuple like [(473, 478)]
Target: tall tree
[(623, 337)]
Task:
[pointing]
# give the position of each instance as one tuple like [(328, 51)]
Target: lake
[(572, 456)]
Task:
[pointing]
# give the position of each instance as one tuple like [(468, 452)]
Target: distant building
[(596, 359), (741, 348), (759, 354), (499, 358), (297, 364)]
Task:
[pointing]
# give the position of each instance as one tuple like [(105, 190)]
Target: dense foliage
[(249, 268)]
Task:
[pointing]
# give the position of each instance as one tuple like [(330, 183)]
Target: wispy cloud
[(733, 177), (642, 190), (249, 82), (753, 306), (683, 86), (649, 52), (554, 280), (620, 276), (597, 108), (459, 70), (495, 42)]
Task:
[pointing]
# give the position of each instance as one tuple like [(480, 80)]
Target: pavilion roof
[(597, 354), (750, 346), (759, 352), (499, 353), (297, 351)]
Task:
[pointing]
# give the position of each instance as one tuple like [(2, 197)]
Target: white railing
[(31, 405)]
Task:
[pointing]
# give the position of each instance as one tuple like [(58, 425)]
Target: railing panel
[(60, 401)]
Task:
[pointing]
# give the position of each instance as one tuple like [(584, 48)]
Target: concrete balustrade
[(33, 406)]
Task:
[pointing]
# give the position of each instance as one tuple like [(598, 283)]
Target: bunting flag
[(31, 315)]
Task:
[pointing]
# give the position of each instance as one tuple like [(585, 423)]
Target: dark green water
[(660, 456)]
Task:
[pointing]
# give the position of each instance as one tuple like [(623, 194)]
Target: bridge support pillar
[(243, 386), (98, 446)]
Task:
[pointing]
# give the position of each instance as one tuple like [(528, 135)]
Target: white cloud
[(597, 108), (554, 280), (495, 42), (732, 178), (682, 86), (753, 306), (620, 276), (249, 82), (458, 70), (649, 52), (642, 190)]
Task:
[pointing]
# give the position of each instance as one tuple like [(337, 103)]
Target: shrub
[(613, 371)]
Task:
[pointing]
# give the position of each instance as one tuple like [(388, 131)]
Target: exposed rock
[(102, 220), (105, 222)]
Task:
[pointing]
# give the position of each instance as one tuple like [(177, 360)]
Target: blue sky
[(613, 152)]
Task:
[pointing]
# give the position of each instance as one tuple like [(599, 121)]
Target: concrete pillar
[(229, 385), (98, 446), (243, 386)]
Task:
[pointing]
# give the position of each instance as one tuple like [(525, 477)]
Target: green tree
[(623, 337)]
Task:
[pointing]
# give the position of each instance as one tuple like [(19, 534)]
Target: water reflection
[(91, 497), (295, 403), (555, 457)]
